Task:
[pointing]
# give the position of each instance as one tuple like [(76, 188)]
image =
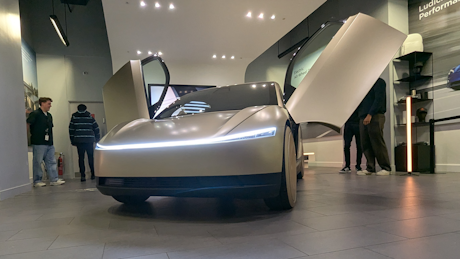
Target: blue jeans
[(44, 153)]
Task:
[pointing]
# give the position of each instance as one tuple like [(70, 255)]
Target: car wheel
[(288, 189), (127, 199), (300, 170)]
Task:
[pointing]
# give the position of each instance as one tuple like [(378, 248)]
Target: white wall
[(61, 69), (221, 73), (13, 143)]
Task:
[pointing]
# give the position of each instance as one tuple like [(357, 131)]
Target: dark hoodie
[(83, 128)]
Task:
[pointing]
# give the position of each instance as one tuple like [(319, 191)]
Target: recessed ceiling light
[(214, 56), (157, 5), (233, 57), (143, 3), (139, 52), (273, 17), (249, 15), (223, 56), (261, 15), (150, 53), (160, 53), (264, 85), (171, 7), (253, 86)]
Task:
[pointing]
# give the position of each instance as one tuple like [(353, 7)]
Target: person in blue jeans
[(41, 125)]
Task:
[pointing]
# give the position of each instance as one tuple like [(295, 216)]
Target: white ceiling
[(197, 29)]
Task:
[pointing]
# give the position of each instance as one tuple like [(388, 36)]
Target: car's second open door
[(334, 70), (128, 95)]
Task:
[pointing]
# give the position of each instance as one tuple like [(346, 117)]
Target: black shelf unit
[(415, 78), (416, 100), (416, 124), (419, 79)]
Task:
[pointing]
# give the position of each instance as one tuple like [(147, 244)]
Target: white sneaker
[(58, 182), (383, 172), (363, 172), (39, 184)]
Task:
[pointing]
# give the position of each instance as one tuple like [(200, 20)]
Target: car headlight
[(248, 135)]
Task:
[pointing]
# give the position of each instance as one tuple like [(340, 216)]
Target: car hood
[(181, 128)]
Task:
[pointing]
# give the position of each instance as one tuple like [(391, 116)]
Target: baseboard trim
[(448, 168), (325, 164), (13, 191)]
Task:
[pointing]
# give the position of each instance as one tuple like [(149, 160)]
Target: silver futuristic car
[(239, 141)]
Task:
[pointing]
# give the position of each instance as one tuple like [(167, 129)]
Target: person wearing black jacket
[(372, 119), (84, 132), (41, 126), (352, 129)]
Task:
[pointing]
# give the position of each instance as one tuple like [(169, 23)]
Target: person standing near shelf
[(372, 119), (352, 129)]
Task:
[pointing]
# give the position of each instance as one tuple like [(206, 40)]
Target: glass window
[(236, 97), (306, 57)]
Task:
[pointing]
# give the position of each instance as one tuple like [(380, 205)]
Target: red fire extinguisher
[(61, 164)]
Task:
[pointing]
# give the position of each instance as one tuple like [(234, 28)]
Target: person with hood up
[(84, 132)]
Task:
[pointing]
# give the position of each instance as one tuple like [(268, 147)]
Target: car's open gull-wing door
[(127, 94), (335, 69)]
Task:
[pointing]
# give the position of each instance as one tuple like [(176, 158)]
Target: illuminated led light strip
[(409, 133), (262, 133)]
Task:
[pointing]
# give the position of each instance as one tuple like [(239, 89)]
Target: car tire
[(288, 190), (129, 199), (301, 168)]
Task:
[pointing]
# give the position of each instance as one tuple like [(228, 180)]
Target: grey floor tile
[(81, 252), (5, 235), (336, 240), (442, 246), (140, 246), (34, 224), (420, 227), (357, 253), (24, 246), (47, 232), (269, 249), (259, 228), (155, 256), (341, 221)]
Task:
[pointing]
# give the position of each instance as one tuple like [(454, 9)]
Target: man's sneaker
[(345, 170), (39, 184), (58, 182), (383, 172), (363, 172)]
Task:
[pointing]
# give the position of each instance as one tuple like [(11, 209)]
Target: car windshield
[(236, 97)]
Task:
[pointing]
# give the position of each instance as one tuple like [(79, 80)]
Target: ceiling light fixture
[(150, 53), (249, 15), (143, 4), (59, 30), (139, 52), (157, 5), (223, 57), (160, 53), (273, 17), (214, 56), (233, 57), (57, 26), (261, 15), (171, 6)]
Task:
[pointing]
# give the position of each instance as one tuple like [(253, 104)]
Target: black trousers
[(374, 146), (350, 130), (89, 149)]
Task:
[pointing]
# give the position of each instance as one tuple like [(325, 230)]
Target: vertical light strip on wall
[(409, 133)]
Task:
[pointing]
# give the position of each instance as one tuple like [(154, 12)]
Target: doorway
[(96, 108)]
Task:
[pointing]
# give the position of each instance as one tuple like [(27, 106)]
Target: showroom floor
[(337, 216)]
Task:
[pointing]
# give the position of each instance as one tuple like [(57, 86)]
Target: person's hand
[(367, 120)]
